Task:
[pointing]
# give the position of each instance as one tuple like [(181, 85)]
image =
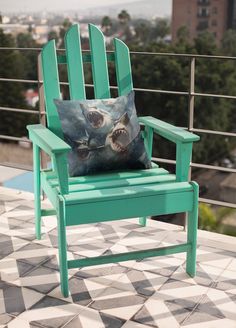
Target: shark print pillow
[(104, 135)]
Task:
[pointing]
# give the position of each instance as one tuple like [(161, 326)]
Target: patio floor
[(153, 292)]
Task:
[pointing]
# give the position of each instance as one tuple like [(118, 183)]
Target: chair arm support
[(168, 131), (47, 140), (55, 147), (182, 138)]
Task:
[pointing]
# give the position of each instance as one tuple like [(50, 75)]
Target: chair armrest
[(168, 131), (55, 147), (47, 140)]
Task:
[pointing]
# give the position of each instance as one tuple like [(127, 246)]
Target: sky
[(56, 5)]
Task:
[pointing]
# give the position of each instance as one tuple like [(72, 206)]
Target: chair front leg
[(192, 233), (62, 248)]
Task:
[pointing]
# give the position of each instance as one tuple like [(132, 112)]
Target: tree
[(124, 17), (65, 26), (160, 30), (170, 73), (12, 93), (28, 57), (106, 24), (228, 46), (52, 35), (205, 44), (183, 34), (211, 219), (143, 31), (207, 218)]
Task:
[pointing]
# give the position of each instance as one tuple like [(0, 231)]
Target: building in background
[(215, 16)]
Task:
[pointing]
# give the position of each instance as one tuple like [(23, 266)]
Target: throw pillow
[(104, 135)]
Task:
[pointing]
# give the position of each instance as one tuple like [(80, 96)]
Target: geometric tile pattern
[(153, 292)]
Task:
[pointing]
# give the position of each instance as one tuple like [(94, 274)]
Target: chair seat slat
[(122, 183), (49, 175), (126, 192)]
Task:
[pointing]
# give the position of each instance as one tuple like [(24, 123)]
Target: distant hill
[(139, 8)]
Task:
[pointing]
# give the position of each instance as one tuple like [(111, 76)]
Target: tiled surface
[(149, 293)]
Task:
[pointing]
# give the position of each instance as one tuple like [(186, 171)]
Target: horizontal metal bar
[(213, 95), (17, 166), (13, 138), (216, 202), (21, 49), (181, 93), (163, 160), (2, 79), (171, 54), (19, 110), (213, 167), (129, 256), (221, 133), (198, 165), (145, 53)]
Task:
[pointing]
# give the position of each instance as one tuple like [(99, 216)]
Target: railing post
[(191, 93), (191, 99)]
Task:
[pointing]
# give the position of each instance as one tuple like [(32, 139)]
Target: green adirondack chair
[(113, 196)]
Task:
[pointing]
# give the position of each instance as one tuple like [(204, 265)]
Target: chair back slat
[(75, 63), (123, 67), (99, 63), (51, 86)]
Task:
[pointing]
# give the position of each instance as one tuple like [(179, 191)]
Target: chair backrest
[(74, 58)]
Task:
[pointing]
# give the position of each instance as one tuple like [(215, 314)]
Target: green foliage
[(229, 43), (124, 17), (28, 58), (207, 218), (52, 35), (12, 93), (172, 73), (106, 24), (65, 26), (210, 218), (183, 34), (160, 29)]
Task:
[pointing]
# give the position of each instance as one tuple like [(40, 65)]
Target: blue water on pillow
[(104, 135)]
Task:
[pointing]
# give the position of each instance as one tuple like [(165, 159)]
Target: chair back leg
[(143, 221), (37, 191)]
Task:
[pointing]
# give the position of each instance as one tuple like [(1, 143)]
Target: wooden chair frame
[(111, 196)]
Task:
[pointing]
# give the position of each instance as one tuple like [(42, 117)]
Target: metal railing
[(190, 93)]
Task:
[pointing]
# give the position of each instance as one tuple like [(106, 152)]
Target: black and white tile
[(153, 292)]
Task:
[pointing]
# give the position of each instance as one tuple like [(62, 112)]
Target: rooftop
[(150, 293)]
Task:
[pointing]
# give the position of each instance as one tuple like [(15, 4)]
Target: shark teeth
[(119, 140), (83, 153), (95, 118), (116, 147)]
